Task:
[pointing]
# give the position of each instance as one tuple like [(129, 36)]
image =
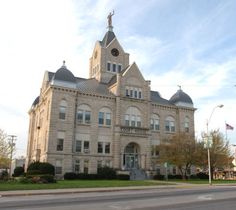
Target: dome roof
[(181, 97), (64, 74)]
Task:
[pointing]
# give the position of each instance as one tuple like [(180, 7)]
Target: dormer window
[(132, 92)]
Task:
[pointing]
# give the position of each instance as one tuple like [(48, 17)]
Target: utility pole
[(12, 139)]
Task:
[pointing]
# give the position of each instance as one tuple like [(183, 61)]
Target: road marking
[(205, 197)]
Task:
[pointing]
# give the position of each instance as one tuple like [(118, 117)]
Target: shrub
[(18, 171), (70, 176), (41, 168), (47, 178), (202, 175), (123, 176), (24, 180), (41, 178), (158, 177), (4, 175), (106, 173)]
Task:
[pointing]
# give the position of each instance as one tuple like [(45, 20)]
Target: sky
[(191, 43)]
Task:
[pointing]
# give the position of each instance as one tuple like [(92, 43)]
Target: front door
[(131, 156)]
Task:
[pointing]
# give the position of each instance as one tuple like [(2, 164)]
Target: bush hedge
[(159, 177), (41, 168), (18, 171)]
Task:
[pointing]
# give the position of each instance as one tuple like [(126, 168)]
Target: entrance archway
[(131, 157)]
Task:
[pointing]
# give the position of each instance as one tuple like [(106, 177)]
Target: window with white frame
[(84, 114), (86, 166), (133, 92), (104, 147), (77, 166), (114, 67), (60, 140), (155, 150), (62, 110), (170, 124), (58, 167), (186, 124), (82, 146), (104, 117), (155, 122), (133, 117)]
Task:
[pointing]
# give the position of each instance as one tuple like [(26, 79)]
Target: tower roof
[(181, 96), (63, 74), (109, 36)]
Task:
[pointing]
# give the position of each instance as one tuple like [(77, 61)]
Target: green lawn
[(4, 186)]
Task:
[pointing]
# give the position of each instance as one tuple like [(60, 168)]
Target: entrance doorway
[(131, 157)]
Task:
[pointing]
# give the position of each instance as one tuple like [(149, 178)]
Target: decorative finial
[(179, 87), (109, 18), (64, 64)]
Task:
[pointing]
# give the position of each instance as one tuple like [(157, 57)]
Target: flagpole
[(226, 136)]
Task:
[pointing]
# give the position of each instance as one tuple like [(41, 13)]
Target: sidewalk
[(88, 190)]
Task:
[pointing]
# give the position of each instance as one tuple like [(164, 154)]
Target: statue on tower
[(109, 18)]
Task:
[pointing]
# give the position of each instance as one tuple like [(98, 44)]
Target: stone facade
[(112, 118)]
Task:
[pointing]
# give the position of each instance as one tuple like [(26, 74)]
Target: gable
[(133, 76)]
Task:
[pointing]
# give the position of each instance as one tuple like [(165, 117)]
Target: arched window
[(62, 109), (84, 114), (133, 117), (104, 116), (186, 124), (155, 122), (170, 124)]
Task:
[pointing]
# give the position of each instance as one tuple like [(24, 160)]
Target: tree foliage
[(4, 150), (220, 153), (180, 150)]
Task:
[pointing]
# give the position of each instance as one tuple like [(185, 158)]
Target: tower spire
[(109, 18)]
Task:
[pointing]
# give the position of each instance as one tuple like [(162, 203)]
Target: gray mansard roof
[(63, 74), (156, 98)]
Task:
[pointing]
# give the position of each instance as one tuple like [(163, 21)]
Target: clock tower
[(108, 57)]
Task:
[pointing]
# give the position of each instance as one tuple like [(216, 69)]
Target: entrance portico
[(131, 157)]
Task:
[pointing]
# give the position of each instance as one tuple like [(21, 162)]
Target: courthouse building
[(112, 118)]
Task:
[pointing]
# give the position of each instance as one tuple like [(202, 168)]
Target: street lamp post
[(209, 142)]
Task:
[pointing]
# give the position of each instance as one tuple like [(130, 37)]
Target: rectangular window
[(138, 118), (140, 94), (58, 168), (108, 163), (133, 120), (101, 118), (108, 118), (107, 148), (62, 113), (114, 67), (126, 120), (60, 144), (108, 66), (87, 117), (78, 146), (135, 94), (77, 166), (100, 147), (86, 146), (80, 116), (127, 92), (172, 126), (157, 125), (86, 166), (119, 68), (131, 93), (152, 124), (99, 164), (167, 126)]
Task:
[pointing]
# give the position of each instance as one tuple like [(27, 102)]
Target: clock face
[(115, 52)]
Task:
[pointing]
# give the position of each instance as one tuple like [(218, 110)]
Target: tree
[(220, 153), (180, 150), (4, 150)]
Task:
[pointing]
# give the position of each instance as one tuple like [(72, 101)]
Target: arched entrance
[(131, 156)]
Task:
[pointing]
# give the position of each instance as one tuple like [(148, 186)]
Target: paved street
[(223, 197)]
